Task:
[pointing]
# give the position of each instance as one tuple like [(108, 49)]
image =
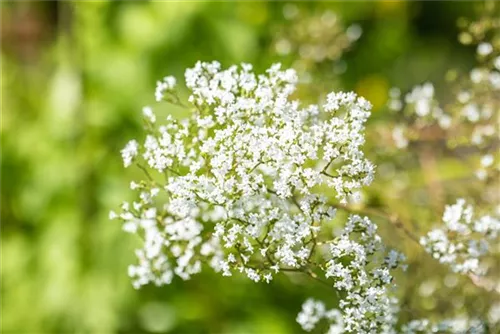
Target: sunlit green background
[(74, 78)]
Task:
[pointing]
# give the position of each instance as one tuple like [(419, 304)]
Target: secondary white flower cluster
[(318, 37), (314, 311), (461, 325), (477, 104), (472, 114), (420, 103), (469, 118), (463, 239), (360, 268)]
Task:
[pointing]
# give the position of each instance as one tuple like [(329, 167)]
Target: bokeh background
[(75, 76)]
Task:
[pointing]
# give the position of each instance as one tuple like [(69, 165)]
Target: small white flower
[(399, 137), (421, 97), (112, 215), (484, 49), (471, 112), (130, 152), (477, 75), (149, 114), (496, 63), (354, 32), (167, 84), (463, 97), (494, 78), (487, 160)]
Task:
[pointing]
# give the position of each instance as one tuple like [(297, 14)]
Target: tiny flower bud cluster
[(314, 311), (463, 239), (166, 85), (129, 152)]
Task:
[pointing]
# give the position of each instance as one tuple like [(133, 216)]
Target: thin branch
[(393, 219), (144, 169)]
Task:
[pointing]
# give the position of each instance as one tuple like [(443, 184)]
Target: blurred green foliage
[(74, 78)]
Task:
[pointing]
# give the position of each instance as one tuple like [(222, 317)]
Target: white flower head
[(496, 63), (484, 49), (130, 152), (463, 239), (167, 84), (149, 114)]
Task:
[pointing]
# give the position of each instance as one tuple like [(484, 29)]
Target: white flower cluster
[(486, 165), (170, 243), (240, 191), (463, 239), (246, 163), (422, 98), (460, 325), (477, 107), (472, 113), (317, 37), (421, 103), (488, 75), (478, 104), (359, 268), (399, 137), (314, 311)]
